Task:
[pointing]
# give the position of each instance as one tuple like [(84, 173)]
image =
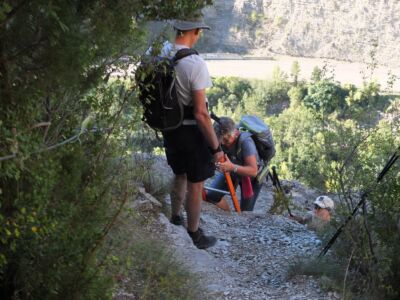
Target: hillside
[(338, 29)]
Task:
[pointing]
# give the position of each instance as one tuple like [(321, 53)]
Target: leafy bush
[(329, 270), (63, 126), (268, 97), (296, 94), (325, 97), (141, 261), (373, 232), (299, 141), (228, 92), (158, 275), (235, 97), (331, 137)]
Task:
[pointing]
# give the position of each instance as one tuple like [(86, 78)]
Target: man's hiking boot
[(177, 220), (202, 241)]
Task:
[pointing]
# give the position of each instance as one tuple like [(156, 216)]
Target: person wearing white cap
[(192, 147), (321, 214)]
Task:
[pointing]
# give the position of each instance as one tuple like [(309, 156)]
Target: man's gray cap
[(184, 25)]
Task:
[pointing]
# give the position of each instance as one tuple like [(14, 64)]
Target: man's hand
[(225, 165), (298, 219)]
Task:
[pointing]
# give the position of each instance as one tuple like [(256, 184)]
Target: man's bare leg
[(178, 194), (193, 209), (193, 204)]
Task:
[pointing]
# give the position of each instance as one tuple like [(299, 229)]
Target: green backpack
[(261, 135)]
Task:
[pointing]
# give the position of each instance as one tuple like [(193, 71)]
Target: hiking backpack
[(261, 135), (155, 77)]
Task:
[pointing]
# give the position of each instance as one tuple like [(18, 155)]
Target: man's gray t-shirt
[(191, 75), (247, 148)]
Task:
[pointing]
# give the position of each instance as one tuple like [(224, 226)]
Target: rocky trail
[(254, 251)]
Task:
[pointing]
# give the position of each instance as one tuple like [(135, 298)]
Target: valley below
[(342, 71)]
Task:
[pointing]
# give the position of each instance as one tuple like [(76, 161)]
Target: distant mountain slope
[(339, 29)]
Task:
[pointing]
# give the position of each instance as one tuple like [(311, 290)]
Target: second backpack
[(261, 135)]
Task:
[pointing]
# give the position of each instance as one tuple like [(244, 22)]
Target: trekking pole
[(208, 188), (275, 179), (385, 169)]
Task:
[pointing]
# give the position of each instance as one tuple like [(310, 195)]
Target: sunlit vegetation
[(336, 138), (65, 128)]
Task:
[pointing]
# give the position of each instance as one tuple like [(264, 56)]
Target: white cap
[(324, 202)]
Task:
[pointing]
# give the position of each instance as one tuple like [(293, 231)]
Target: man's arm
[(203, 120), (299, 219), (249, 167)]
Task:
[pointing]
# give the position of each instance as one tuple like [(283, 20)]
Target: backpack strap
[(183, 53), (239, 147), (187, 110)]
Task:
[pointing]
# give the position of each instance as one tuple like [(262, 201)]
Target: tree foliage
[(63, 124), (331, 137), (325, 97), (228, 91)]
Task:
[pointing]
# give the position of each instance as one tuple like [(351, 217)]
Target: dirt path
[(254, 249), (253, 253)]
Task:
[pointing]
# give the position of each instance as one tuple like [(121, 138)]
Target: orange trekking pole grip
[(231, 189)]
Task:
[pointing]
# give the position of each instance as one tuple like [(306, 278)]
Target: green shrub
[(331, 139), (329, 269), (152, 172), (228, 92), (64, 125), (140, 258), (158, 275), (325, 97)]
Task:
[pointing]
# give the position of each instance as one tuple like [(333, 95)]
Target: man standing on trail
[(192, 148), (243, 165)]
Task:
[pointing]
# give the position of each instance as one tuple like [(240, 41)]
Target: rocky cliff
[(339, 29)]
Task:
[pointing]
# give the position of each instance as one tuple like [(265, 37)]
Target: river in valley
[(344, 72)]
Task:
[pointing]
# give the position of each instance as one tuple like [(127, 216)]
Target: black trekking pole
[(277, 184), (385, 169)]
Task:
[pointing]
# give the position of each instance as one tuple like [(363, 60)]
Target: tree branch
[(370, 243), (345, 275), (49, 148)]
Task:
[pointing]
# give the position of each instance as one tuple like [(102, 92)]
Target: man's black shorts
[(187, 152)]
